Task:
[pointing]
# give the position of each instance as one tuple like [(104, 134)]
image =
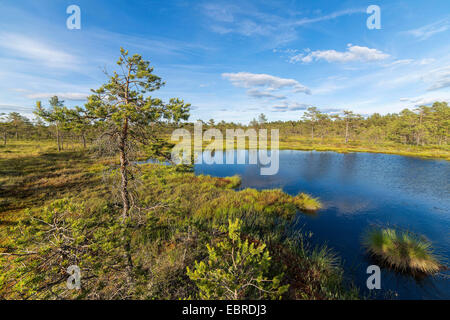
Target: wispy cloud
[(246, 21), (248, 80), (72, 96), (255, 93), (426, 99), (330, 110), (400, 62), (353, 53), (222, 13), (440, 78), (291, 106), (280, 108), (6, 108), (152, 44), (250, 21), (37, 51), (440, 84), (431, 29), (330, 16), (296, 106)]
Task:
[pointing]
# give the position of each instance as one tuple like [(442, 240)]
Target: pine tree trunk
[(127, 256), (84, 141), (57, 138), (123, 170), (126, 202)]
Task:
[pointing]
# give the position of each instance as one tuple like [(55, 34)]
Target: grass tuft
[(233, 182), (402, 251), (307, 203)]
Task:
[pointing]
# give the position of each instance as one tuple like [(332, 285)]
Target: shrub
[(403, 251), (236, 269)]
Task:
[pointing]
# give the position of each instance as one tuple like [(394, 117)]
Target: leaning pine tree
[(130, 117)]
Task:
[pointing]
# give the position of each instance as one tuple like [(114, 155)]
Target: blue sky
[(233, 59)]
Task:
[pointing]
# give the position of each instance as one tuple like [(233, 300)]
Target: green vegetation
[(74, 219), (402, 251), (307, 203), (336, 145), (422, 132), (236, 270), (150, 231), (32, 173), (229, 182)]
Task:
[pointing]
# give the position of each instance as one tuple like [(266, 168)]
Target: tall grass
[(314, 271), (403, 251)]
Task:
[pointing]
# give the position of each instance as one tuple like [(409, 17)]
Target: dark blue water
[(359, 190)]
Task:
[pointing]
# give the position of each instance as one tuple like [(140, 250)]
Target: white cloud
[(431, 29), (400, 62), (353, 53), (280, 108), (331, 16), (249, 80), (330, 110), (255, 93), (426, 72), (219, 12), (404, 62), (426, 99), (440, 78), (245, 19), (426, 61), (6, 108), (442, 83), (247, 28), (330, 87), (74, 96), (34, 50), (299, 106), (291, 106)]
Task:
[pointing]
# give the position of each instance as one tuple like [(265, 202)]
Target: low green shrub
[(236, 269)]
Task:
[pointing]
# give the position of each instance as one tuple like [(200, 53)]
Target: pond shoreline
[(407, 151), (445, 157), (360, 190)]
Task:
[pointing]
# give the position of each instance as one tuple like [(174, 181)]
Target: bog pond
[(360, 190)]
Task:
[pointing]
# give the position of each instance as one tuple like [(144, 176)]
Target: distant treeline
[(424, 125)]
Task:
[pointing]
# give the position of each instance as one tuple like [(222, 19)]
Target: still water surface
[(359, 190)]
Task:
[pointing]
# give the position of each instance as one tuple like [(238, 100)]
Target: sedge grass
[(403, 251)]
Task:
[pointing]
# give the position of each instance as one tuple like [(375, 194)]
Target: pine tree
[(56, 115)]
